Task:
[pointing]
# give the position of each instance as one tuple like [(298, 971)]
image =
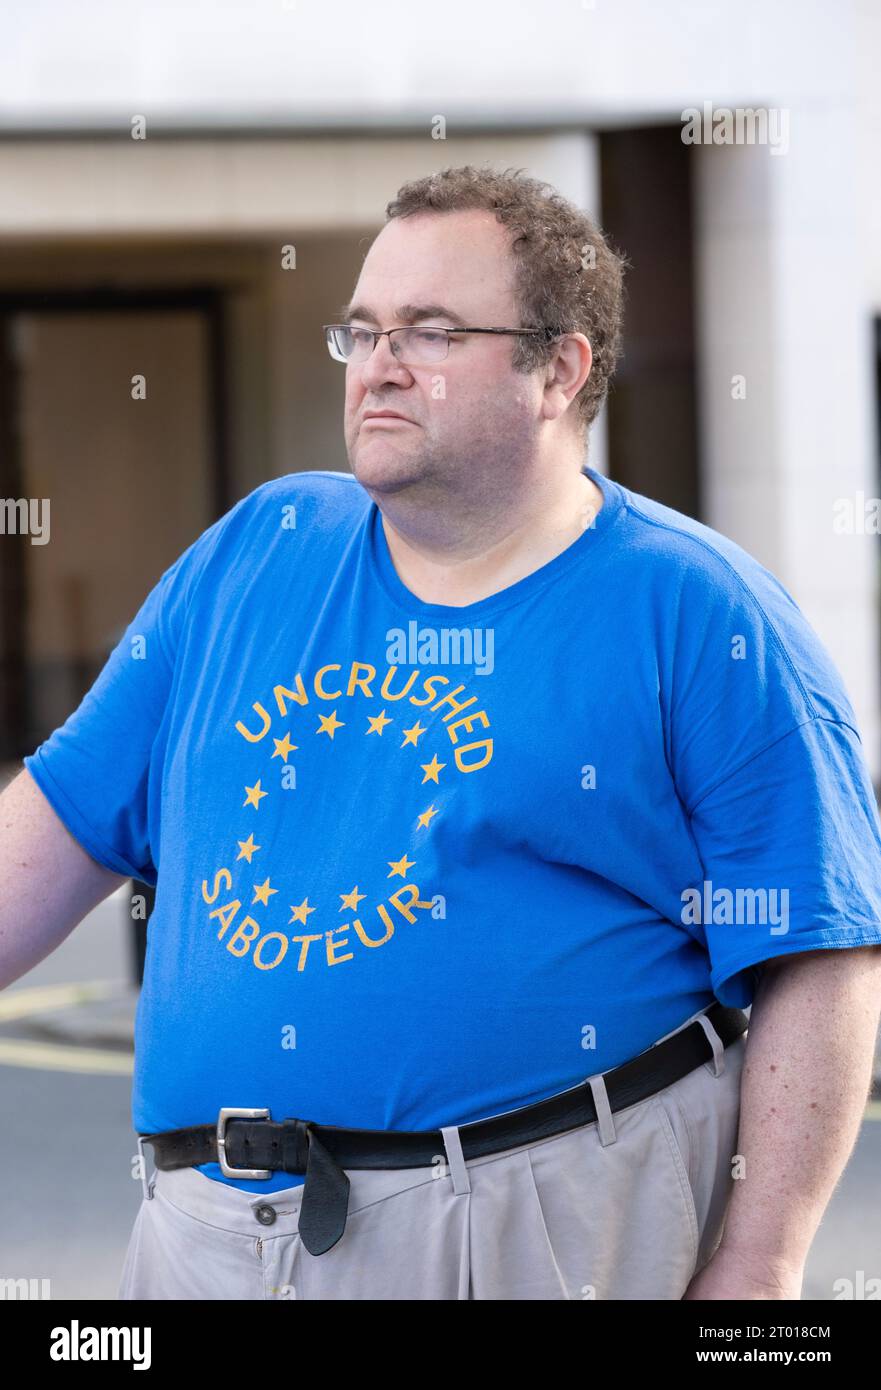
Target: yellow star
[(301, 912), (351, 900), (426, 816), (254, 795), (400, 867), (378, 722), (431, 769), (329, 724), (262, 892), (413, 735), (247, 848), (284, 747)]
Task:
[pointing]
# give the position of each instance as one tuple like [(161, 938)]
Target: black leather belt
[(248, 1144)]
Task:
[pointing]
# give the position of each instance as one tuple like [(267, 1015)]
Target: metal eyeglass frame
[(378, 333)]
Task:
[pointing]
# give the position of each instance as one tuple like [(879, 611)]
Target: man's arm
[(806, 1077), (48, 883)]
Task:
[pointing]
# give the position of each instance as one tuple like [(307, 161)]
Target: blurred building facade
[(205, 256)]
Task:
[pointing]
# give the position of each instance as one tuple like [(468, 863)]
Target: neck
[(491, 548)]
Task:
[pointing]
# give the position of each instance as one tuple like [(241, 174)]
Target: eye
[(360, 335), (428, 335)]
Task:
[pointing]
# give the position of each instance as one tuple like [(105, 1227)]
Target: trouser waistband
[(324, 1152)]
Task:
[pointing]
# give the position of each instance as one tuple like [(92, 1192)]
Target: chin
[(383, 471)]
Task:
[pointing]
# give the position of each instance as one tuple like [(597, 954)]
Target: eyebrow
[(406, 313)]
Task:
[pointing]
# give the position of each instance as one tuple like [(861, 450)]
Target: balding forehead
[(433, 275)]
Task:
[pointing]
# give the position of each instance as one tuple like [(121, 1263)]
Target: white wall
[(512, 60), (782, 308)]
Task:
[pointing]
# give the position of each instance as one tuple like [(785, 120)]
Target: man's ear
[(567, 370)]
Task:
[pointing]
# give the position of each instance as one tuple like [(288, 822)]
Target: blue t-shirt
[(419, 864)]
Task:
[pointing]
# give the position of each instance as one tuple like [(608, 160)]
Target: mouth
[(385, 417)]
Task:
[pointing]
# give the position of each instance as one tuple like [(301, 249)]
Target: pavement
[(106, 1020)]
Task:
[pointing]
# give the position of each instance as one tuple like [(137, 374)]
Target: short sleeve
[(790, 845), (94, 769)]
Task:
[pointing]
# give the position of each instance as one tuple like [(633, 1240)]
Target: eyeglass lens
[(408, 344)]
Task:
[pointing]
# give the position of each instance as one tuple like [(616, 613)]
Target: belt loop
[(606, 1125), (146, 1186), (453, 1145), (716, 1044)]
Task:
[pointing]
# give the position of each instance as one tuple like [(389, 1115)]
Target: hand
[(729, 1274)]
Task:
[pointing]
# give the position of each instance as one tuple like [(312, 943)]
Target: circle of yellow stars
[(329, 724)]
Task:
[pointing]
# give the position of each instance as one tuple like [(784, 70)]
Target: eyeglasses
[(410, 346)]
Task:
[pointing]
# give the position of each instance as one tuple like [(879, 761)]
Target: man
[(483, 796)]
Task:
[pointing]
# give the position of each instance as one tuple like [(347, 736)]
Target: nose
[(382, 365)]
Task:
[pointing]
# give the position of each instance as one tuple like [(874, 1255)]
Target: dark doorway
[(131, 480), (652, 412)]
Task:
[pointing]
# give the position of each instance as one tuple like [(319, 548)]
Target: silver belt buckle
[(231, 1112)]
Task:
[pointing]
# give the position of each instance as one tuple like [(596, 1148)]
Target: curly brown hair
[(568, 277)]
